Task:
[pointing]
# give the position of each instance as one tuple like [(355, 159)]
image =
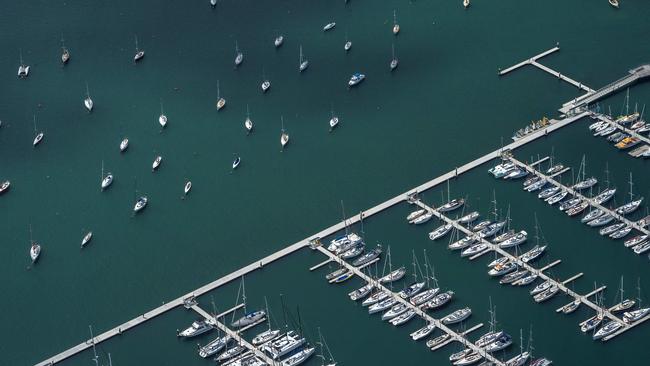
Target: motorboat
[(543, 296), (452, 205), (5, 186), (516, 173), (633, 316), (299, 357), (629, 207), (500, 270), (329, 26), (604, 196), (592, 215), (332, 275), (266, 336), (440, 231), (607, 329), (592, 323), (585, 184), (34, 251), (548, 192), (107, 181), (361, 292), (198, 327), (411, 290), (601, 220), (503, 169), (140, 204), (343, 277), (156, 163), (470, 217), (188, 186), (457, 316), (515, 240), (423, 296), (214, 346), (423, 332), (438, 301), (571, 307), (611, 228), (356, 79), (86, 239), (124, 145), (474, 249), (248, 319), (532, 254), (344, 242), (367, 257), (393, 276)]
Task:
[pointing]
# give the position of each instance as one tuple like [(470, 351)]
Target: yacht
[(470, 217), (236, 162), (592, 215), (500, 270), (381, 305), (440, 231), (470, 359), (526, 280), (460, 354), (86, 239), (107, 181), (554, 169), (139, 54), (334, 121), (532, 180), (438, 301), (424, 296), (198, 327), (642, 248), (607, 329), (361, 292), (221, 102), (513, 276), (576, 210), (425, 331), (336, 273), (633, 316), (532, 254), (356, 79), (266, 336), (457, 316), (515, 240), (188, 186), (571, 307), (329, 26), (498, 261), (500, 343), (213, 3), (156, 163), (393, 276), (481, 225), (140, 204), (278, 41), (622, 306), (344, 242), (611, 228), (367, 257), (466, 4), (543, 296), (303, 64), (342, 278), (591, 323), (394, 61), (4, 186), (548, 192), (248, 319), (432, 343), (503, 169), (488, 338), (239, 57), (124, 145), (601, 220), (542, 361), (88, 102), (503, 237), (629, 207), (474, 249), (284, 137), (38, 138), (214, 346), (541, 288), (299, 357), (394, 311), (585, 184), (411, 290), (34, 251), (632, 242), (452, 205), (65, 53), (516, 174), (347, 46)]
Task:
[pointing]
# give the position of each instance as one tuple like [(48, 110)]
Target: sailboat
[(163, 118), (631, 206), (248, 124), (124, 144), (65, 54), (106, 180), (92, 340), (88, 102), (249, 317), (269, 334), (39, 135), (278, 41), (266, 84), (284, 137), (303, 64), (394, 62), (23, 70), (236, 162), (213, 3), (614, 3), (220, 101), (348, 44), (86, 239), (139, 54), (35, 248), (141, 202), (624, 304), (395, 25), (466, 3), (239, 57), (334, 121), (522, 357), (329, 360)]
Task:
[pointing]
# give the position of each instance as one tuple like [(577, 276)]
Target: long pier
[(258, 264), (421, 313), (533, 61), (633, 76)]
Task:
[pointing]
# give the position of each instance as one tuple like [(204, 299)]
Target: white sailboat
[(86, 239), (139, 54), (162, 119), (124, 144), (106, 180), (284, 137), (348, 43), (248, 123), (334, 121), (239, 57), (329, 360), (266, 84), (38, 135), (303, 64), (466, 3), (614, 3), (395, 25), (393, 62), (278, 41), (35, 248), (65, 53), (236, 161), (220, 101), (188, 186), (88, 102), (23, 70)]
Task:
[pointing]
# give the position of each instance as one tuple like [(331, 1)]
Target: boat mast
[(110, 362), (390, 267), (87, 92), (345, 223), (622, 289), (393, 48), (607, 174), (638, 289), (20, 50), (494, 200), (521, 341), (415, 274), (243, 294), (92, 340), (268, 314), (35, 132), (161, 107), (300, 61), (426, 268), (102, 177), (631, 195), (218, 91)]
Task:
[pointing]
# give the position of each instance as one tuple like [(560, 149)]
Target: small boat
[(329, 26), (249, 319), (423, 332), (504, 341), (532, 254), (65, 53), (513, 276), (299, 357), (516, 174), (632, 316), (361, 292), (541, 362), (541, 288), (491, 230), (611, 228), (239, 57), (488, 337), (139, 54), (591, 323), (86, 239), (462, 243), (140, 204), (353, 252), (438, 301), (440, 231), (332, 275), (265, 85), (470, 359), (469, 218), (432, 343), (543, 296), (411, 290), (466, 4), (481, 225), (393, 276), (5, 186), (457, 316), (236, 162), (356, 79), (395, 25), (394, 62), (498, 262), (526, 280), (375, 298), (124, 145), (424, 296), (214, 346), (278, 41), (632, 242), (347, 46), (221, 102), (368, 257), (284, 137), (548, 192), (614, 3), (576, 210), (621, 233), (607, 329), (571, 307), (623, 306), (156, 163), (342, 278), (554, 169), (198, 327), (570, 203), (642, 248), (601, 220), (452, 205), (88, 102), (187, 187), (396, 310), (162, 119), (248, 124), (23, 70), (213, 3), (303, 64), (381, 305), (403, 318), (629, 207)]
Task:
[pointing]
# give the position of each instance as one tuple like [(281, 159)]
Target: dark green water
[(444, 106)]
